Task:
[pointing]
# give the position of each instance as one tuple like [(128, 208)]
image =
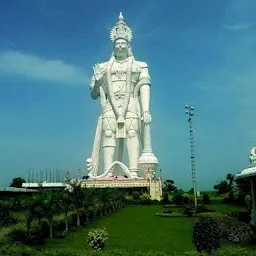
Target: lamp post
[(190, 114)]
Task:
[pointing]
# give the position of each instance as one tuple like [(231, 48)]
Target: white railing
[(115, 183)]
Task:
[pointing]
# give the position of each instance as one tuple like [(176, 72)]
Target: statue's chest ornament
[(120, 70), (120, 74)]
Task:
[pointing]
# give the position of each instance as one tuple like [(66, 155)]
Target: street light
[(190, 114)]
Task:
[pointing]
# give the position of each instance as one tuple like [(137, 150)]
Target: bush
[(223, 221), (63, 252), (165, 200), (206, 235), (189, 210), (177, 198), (17, 250), (240, 216), (17, 234), (240, 233), (97, 238), (145, 199), (203, 208), (206, 198), (232, 251), (136, 195), (185, 199), (230, 228)]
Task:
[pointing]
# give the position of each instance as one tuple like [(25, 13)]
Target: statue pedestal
[(148, 163)]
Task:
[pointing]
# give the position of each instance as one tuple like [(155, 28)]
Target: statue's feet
[(134, 173)]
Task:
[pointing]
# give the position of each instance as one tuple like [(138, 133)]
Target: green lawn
[(135, 228), (225, 208)]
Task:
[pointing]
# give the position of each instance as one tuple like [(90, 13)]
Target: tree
[(230, 178), (32, 212), (77, 196), (169, 186), (222, 187), (17, 182), (5, 209), (243, 185), (226, 185), (50, 205), (65, 202)]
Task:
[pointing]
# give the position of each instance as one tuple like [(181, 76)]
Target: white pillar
[(253, 212)]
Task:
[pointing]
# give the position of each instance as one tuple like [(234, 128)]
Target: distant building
[(10, 191)]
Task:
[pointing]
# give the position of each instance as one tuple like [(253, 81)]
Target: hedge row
[(17, 250), (39, 231)]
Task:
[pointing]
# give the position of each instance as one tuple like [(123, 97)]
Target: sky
[(199, 52)]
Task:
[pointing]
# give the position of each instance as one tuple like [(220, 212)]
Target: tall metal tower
[(190, 114)]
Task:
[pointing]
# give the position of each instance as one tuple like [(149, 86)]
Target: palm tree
[(96, 206), (5, 210), (77, 196), (87, 202), (50, 204), (65, 203), (30, 205)]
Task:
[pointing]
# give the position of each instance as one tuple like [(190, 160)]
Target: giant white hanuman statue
[(123, 86)]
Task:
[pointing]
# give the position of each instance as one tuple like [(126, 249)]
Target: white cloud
[(240, 15), (238, 26), (34, 67)]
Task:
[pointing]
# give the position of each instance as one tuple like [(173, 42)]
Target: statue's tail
[(120, 154)]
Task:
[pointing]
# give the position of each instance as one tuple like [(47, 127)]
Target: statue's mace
[(147, 161)]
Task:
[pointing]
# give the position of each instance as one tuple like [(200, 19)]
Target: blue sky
[(199, 52)]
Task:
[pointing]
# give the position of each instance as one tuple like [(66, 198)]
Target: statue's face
[(121, 47)]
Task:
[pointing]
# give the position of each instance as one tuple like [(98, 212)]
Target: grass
[(135, 228), (225, 208)]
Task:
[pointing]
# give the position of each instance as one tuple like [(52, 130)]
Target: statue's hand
[(146, 117), (97, 72)]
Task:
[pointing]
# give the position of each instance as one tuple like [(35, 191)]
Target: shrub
[(230, 228), (185, 199), (168, 210), (226, 251), (223, 221), (206, 198), (240, 216), (240, 233), (178, 198), (17, 234), (203, 208), (206, 235), (97, 238), (145, 199), (189, 210), (63, 252), (233, 251), (165, 200), (136, 195), (17, 250)]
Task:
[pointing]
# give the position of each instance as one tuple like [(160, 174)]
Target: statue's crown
[(121, 30)]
